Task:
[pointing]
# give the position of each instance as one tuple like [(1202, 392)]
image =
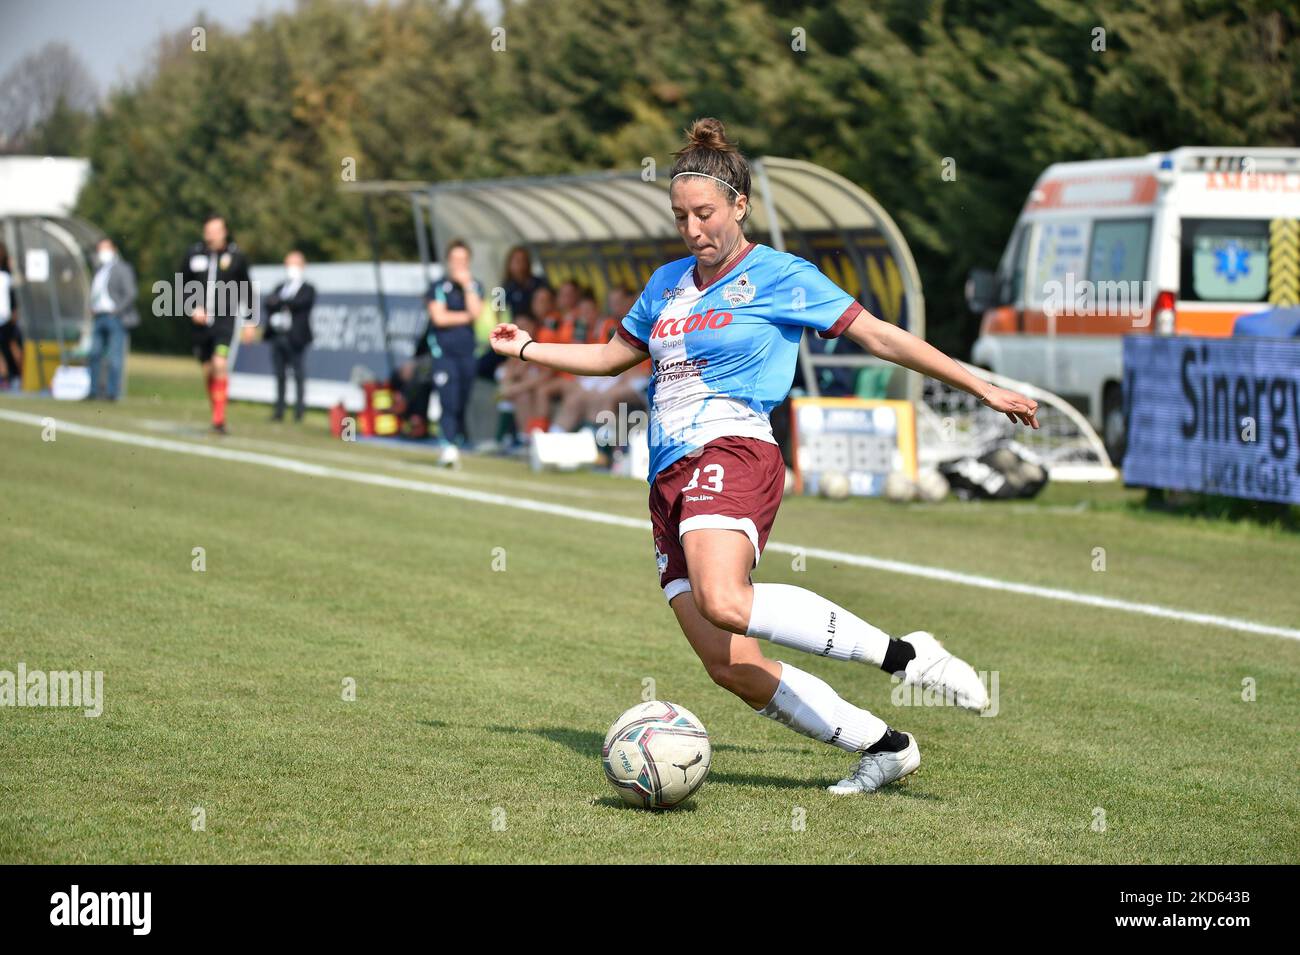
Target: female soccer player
[(723, 328)]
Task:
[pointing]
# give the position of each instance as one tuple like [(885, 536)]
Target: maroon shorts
[(732, 482)]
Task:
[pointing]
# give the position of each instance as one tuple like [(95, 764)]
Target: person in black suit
[(288, 330)]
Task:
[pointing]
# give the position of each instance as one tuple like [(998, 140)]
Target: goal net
[(952, 424)]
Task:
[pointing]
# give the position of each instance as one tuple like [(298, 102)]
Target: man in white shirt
[(112, 302)]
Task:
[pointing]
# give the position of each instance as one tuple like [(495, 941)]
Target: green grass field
[(482, 695)]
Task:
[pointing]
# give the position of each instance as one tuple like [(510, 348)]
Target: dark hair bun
[(708, 152), (708, 133)]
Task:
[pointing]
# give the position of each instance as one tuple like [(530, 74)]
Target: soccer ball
[(835, 485), (656, 755), (899, 487), (449, 456), (931, 486)]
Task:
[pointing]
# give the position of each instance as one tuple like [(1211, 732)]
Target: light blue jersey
[(724, 355)]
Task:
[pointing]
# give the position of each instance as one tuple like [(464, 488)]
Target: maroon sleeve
[(843, 322), (632, 340)]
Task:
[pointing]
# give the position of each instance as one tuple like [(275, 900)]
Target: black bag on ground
[(1005, 472)]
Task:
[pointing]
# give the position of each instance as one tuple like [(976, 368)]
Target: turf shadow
[(582, 742), (613, 802), (760, 781), (756, 750)]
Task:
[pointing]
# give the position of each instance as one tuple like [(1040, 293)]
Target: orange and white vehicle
[(1175, 243)]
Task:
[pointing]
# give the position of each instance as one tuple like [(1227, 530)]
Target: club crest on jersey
[(739, 292)]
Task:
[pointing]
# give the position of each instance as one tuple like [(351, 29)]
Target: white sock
[(802, 620), (811, 706)]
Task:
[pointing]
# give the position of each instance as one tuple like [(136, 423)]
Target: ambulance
[(1173, 243)]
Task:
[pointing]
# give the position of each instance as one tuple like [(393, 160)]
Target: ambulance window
[(1012, 280), (1224, 260), (1060, 258), (1119, 250)]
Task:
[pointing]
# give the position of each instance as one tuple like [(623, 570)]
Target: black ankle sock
[(897, 656), (892, 742)]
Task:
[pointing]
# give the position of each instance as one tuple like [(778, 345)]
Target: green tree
[(264, 124)]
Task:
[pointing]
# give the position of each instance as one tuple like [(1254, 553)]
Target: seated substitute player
[(723, 327), (597, 398), (533, 390), (513, 397)]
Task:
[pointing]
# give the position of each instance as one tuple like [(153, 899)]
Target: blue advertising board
[(1214, 415), (351, 342)]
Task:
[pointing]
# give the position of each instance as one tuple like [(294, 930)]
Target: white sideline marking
[(296, 466), (385, 461)]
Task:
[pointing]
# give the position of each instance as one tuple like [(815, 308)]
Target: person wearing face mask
[(112, 303), (288, 330)]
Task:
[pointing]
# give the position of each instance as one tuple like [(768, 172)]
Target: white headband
[(707, 176)]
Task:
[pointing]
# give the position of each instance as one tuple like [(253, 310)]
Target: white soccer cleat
[(933, 667), (879, 769)]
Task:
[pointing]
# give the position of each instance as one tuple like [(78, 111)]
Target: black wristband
[(523, 347)]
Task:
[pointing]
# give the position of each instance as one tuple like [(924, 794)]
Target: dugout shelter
[(49, 248), (615, 228)]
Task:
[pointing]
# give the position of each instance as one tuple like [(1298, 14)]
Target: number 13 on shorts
[(712, 480)]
